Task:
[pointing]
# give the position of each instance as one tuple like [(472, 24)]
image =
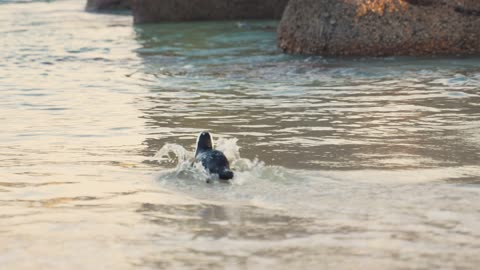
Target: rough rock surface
[(93, 5), (147, 11), (381, 27)]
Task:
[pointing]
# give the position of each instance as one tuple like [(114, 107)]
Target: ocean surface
[(341, 163)]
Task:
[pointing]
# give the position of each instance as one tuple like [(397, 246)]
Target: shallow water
[(339, 162)]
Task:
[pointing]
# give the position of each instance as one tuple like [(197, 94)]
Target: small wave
[(255, 183)]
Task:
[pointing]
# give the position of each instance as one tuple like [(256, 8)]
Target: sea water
[(339, 162)]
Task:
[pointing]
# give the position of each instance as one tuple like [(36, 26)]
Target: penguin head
[(204, 142)]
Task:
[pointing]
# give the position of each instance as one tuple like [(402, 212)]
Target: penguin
[(212, 160)]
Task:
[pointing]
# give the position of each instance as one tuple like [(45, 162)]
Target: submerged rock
[(381, 27), (147, 11), (93, 5)]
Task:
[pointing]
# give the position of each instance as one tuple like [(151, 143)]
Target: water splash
[(229, 147), (173, 153), (246, 170)]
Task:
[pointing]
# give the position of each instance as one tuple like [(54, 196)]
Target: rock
[(381, 27), (147, 11), (95, 5)]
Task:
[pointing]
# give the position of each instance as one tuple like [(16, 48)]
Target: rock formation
[(381, 27), (147, 11), (94, 5)]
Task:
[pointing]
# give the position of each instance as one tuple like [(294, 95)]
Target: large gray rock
[(147, 11), (95, 5), (381, 27)]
